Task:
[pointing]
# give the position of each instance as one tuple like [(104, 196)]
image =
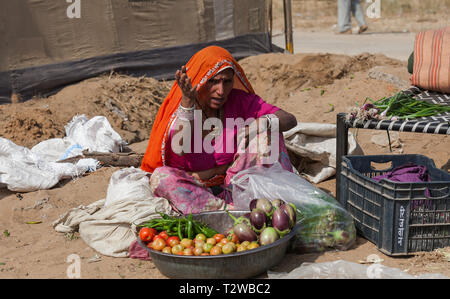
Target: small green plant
[(71, 236)]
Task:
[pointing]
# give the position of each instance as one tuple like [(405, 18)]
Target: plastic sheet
[(324, 224), (341, 269), (26, 170), (21, 170)]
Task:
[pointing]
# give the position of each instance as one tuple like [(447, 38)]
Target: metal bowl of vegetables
[(236, 265)]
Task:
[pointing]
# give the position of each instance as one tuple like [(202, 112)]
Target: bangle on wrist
[(269, 125), (187, 109), (185, 114), (269, 119), (269, 122)]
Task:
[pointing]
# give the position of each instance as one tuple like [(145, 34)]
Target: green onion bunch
[(404, 106)]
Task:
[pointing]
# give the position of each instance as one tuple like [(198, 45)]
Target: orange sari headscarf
[(204, 65)]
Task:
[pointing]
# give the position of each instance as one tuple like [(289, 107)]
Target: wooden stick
[(110, 159), (288, 26)]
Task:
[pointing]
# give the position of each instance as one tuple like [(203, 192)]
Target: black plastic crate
[(400, 218)]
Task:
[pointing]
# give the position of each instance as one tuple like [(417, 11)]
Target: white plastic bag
[(324, 224), (12, 151), (24, 177), (22, 170), (95, 134), (128, 183), (53, 149), (25, 170)]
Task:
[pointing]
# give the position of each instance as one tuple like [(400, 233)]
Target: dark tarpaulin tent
[(47, 45)]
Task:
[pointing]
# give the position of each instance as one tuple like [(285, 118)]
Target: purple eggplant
[(244, 232), (258, 220), (276, 203), (268, 236), (280, 222), (252, 204), (265, 205), (228, 231), (290, 210), (242, 219)]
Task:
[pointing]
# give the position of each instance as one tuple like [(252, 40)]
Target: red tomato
[(167, 249), (188, 251), (215, 250), (159, 244), (146, 234), (177, 249), (164, 235), (172, 241), (154, 231), (218, 237), (157, 237), (232, 238)]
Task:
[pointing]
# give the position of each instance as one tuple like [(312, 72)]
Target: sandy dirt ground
[(306, 84)]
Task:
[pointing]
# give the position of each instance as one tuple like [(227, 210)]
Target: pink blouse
[(240, 104)]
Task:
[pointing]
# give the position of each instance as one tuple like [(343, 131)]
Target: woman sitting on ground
[(204, 131)]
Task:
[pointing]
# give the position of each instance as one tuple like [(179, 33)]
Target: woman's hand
[(202, 175), (209, 173), (189, 92)]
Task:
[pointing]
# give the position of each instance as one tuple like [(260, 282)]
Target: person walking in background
[(345, 10)]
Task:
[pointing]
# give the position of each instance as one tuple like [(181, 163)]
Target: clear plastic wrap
[(323, 222), (341, 269)]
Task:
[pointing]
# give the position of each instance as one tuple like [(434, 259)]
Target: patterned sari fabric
[(189, 195), (431, 68)]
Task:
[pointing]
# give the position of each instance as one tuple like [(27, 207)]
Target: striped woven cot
[(432, 60), (438, 124)]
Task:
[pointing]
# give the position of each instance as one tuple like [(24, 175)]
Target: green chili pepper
[(189, 226), (165, 216), (208, 232), (185, 227), (179, 226), (195, 228), (170, 228), (179, 230)]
